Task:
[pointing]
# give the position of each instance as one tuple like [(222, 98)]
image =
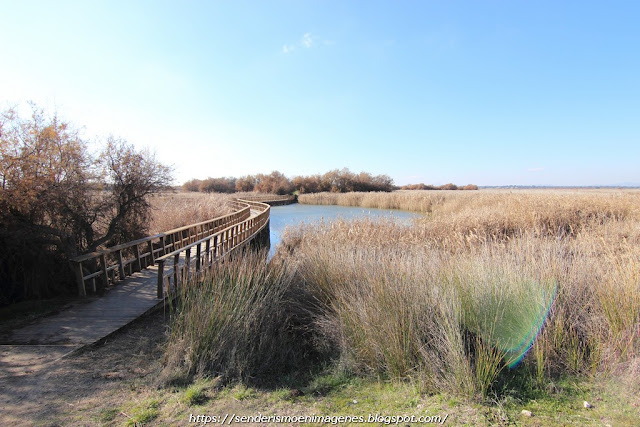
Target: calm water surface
[(292, 215)]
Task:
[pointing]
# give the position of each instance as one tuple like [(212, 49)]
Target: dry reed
[(173, 210), (465, 291), (452, 302), (236, 323), (417, 201)]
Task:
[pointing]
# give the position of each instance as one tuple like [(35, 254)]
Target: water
[(292, 215)]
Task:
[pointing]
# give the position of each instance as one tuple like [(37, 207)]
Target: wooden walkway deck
[(87, 322), (137, 292)]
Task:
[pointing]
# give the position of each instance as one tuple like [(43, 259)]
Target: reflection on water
[(292, 215)]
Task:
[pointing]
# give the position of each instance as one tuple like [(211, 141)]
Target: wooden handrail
[(276, 199), (216, 246), (105, 262)]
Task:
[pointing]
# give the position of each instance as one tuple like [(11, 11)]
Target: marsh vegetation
[(489, 291), (491, 303)]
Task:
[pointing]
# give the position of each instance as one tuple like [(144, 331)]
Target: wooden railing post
[(136, 253), (160, 277), (105, 273), (198, 254), (187, 264), (120, 264), (162, 244), (80, 278), (152, 258), (207, 248), (176, 265)]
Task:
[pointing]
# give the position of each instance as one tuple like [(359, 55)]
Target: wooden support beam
[(162, 244)]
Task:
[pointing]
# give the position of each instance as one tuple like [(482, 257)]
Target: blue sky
[(484, 92)]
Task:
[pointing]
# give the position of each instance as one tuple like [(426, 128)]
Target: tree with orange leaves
[(58, 200)]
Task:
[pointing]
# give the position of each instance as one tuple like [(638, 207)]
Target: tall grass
[(236, 323), (544, 282), (459, 297)]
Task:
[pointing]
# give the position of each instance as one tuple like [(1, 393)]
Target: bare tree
[(57, 200)]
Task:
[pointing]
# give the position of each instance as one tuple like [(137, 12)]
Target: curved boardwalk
[(137, 276)]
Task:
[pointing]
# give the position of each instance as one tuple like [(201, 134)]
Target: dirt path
[(38, 386)]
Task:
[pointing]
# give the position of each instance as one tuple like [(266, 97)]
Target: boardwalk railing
[(133, 256), (271, 198), (209, 250)]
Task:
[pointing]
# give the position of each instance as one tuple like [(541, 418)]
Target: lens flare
[(518, 321), (535, 317), (518, 353)]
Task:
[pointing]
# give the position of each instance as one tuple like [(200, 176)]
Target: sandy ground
[(45, 385)]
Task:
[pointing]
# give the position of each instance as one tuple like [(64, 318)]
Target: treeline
[(449, 186), (335, 181)]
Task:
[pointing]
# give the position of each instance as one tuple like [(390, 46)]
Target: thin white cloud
[(307, 40), (535, 169)]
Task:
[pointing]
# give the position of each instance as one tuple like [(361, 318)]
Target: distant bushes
[(343, 181), (449, 186), (211, 185), (335, 181), (274, 183)]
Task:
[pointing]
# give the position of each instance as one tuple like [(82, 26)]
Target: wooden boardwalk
[(87, 322), (138, 289)]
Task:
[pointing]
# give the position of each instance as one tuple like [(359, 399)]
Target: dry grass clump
[(173, 210), (456, 300), (237, 323)]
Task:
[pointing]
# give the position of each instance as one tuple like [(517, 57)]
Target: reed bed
[(173, 210), (417, 201), (487, 286), (458, 299), (177, 209)]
